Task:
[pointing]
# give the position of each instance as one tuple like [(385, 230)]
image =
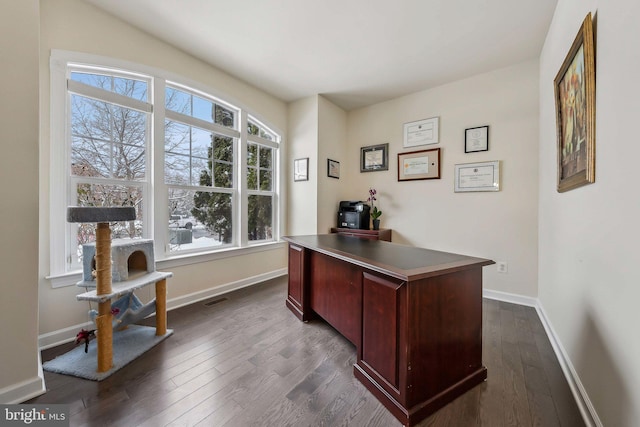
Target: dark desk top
[(400, 261)]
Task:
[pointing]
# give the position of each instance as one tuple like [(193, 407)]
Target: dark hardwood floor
[(245, 360)]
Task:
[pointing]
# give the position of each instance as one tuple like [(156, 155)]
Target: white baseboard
[(512, 298), (25, 390), (580, 395), (589, 413), (65, 335), (226, 288)]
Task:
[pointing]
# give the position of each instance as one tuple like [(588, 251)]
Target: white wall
[(19, 368), (317, 130), (77, 26), (498, 225), (332, 144), (588, 276), (302, 196)]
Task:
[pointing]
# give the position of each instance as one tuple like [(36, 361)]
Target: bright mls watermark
[(34, 415)]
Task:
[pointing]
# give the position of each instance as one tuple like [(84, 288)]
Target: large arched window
[(201, 172)]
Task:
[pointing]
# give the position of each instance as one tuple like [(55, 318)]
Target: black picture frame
[(333, 169), (374, 158), (476, 139)]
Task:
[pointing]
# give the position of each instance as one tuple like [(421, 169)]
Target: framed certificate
[(374, 158), (421, 132), (415, 165), (484, 176), (476, 139)]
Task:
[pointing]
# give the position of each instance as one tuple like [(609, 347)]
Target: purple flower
[(372, 195), (375, 212)]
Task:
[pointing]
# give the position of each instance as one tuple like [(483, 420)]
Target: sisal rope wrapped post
[(105, 342), (103, 259), (161, 307), (104, 321)]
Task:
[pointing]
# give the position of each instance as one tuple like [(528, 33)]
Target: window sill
[(180, 260), (70, 279)]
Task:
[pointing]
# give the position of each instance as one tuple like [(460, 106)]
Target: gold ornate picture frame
[(575, 92)]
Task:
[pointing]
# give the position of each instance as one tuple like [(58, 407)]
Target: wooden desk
[(414, 315), (382, 234)]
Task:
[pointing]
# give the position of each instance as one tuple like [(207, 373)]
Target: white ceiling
[(354, 52)]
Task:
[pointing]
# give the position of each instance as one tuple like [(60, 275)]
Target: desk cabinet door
[(297, 301), (380, 328), (336, 294)]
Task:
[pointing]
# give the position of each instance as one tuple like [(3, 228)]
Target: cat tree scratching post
[(102, 216)]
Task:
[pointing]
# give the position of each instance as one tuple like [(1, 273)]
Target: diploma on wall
[(416, 165), (374, 158), (483, 176), (423, 164), (421, 132)]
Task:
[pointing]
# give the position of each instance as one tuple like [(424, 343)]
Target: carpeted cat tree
[(133, 268)]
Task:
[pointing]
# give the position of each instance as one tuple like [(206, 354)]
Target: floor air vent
[(214, 302)]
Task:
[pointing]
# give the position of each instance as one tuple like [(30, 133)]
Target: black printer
[(353, 215)]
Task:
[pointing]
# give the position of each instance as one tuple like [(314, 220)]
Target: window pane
[(177, 100), (176, 138), (265, 157), (253, 129), (252, 178), (176, 169), (128, 126), (128, 162), (224, 117), (90, 157), (200, 143), (223, 148), (260, 218), (252, 154), (265, 180), (90, 118), (201, 172), (223, 175), (133, 88), (209, 213), (203, 109)]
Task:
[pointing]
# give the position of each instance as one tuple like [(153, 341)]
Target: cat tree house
[(133, 268)]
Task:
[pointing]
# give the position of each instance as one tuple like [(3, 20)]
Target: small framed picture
[(424, 164), (374, 158), (301, 169), (333, 169), (476, 139)]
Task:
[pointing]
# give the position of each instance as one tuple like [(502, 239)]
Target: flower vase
[(376, 224)]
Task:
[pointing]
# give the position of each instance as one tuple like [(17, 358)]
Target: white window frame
[(231, 132), (274, 144), (156, 214)]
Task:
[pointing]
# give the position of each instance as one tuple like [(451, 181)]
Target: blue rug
[(127, 346)]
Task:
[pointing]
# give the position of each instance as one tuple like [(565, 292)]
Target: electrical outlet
[(502, 267)]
